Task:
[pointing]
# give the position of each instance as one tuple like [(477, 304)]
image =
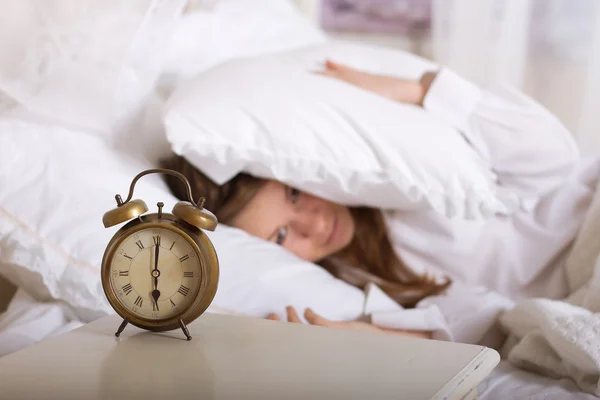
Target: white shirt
[(496, 261)]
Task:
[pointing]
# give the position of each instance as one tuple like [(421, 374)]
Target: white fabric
[(272, 117), (93, 65), (208, 33), (88, 63), (27, 322), (463, 314), (215, 31), (581, 262), (56, 185), (58, 177), (508, 382), (562, 339), (533, 154), (518, 256), (521, 255), (557, 339), (550, 49)]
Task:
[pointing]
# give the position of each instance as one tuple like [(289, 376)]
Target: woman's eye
[(281, 235), (294, 195)]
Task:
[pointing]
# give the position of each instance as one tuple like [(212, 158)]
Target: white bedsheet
[(509, 382), (27, 322), (556, 339), (562, 338)]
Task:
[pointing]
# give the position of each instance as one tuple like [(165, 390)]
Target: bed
[(74, 160), (509, 382)]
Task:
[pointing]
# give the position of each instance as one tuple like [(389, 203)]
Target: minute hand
[(156, 274)]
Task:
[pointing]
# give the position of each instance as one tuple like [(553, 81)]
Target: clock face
[(155, 273)]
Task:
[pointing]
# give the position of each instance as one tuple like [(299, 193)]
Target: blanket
[(562, 338)]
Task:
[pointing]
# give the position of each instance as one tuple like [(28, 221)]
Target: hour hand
[(155, 296)]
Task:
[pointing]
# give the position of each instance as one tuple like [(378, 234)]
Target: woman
[(410, 255)]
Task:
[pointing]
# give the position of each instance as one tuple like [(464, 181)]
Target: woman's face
[(308, 226)]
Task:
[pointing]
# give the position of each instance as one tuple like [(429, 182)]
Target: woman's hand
[(396, 89), (315, 319)]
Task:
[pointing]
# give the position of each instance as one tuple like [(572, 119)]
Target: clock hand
[(156, 274), (155, 296)]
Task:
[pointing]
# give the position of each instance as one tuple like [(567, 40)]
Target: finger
[(336, 66), (292, 315), (315, 319), (346, 74), (273, 317), (332, 74)]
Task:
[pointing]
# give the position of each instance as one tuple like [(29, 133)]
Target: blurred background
[(550, 49)]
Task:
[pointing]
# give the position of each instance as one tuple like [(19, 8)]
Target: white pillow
[(272, 117), (207, 33), (215, 31), (56, 185), (85, 63)]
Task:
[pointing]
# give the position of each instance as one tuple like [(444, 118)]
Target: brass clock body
[(186, 270)]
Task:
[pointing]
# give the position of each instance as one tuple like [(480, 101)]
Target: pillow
[(207, 33), (86, 63), (56, 185), (270, 116), (215, 31)]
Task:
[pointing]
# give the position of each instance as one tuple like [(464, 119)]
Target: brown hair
[(370, 257)]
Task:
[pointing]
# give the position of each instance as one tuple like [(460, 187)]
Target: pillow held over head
[(272, 117)]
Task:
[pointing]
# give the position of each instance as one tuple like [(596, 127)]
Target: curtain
[(550, 49)]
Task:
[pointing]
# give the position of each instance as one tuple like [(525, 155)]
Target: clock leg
[(122, 327), (185, 330)]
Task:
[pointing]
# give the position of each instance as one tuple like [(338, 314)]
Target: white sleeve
[(463, 314), (528, 147)]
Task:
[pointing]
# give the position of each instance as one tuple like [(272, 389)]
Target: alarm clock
[(160, 271)]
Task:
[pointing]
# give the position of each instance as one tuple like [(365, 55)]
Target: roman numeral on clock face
[(123, 273), (172, 304), (188, 274), (127, 289), (125, 255), (183, 290), (182, 259), (140, 244), (156, 240), (155, 306), (139, 301)]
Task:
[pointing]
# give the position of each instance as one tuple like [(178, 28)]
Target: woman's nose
[(313, 223)]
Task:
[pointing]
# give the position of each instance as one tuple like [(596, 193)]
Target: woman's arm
[(417, 334), (314, 319), (464, 313), (527, 146)]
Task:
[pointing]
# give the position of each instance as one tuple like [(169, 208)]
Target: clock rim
[(205, 252)]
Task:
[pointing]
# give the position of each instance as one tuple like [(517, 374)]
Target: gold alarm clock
[(160, 271)]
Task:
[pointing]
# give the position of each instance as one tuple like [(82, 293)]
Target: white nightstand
[(232, 358)]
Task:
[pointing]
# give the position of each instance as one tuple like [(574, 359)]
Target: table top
[(233, 357)]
